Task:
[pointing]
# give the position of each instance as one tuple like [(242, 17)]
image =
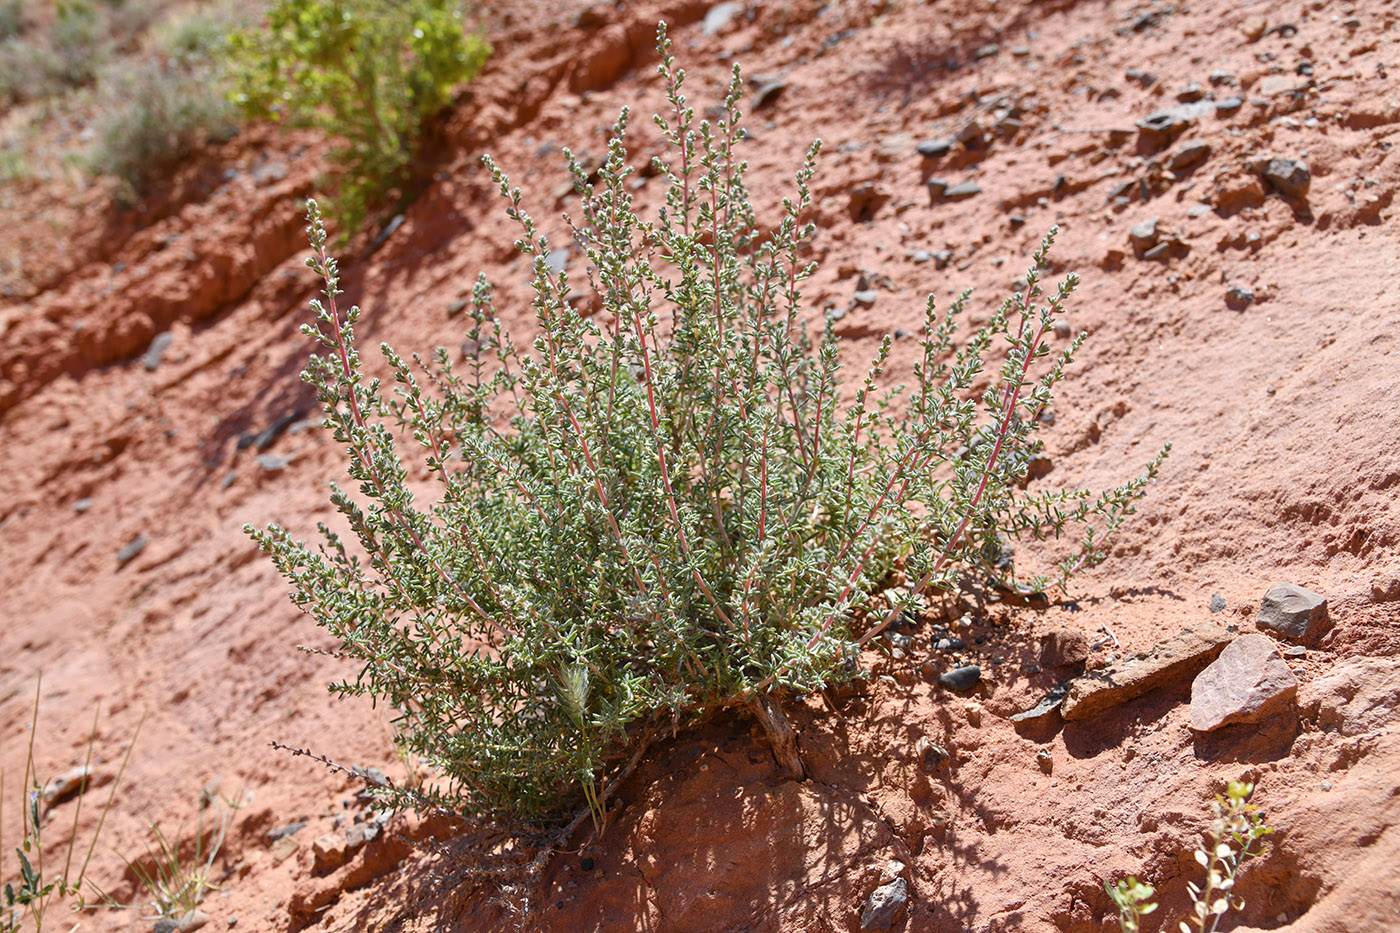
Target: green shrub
[(11, 18), (670, 506), (367, 72), (156, 114), (77, 41)]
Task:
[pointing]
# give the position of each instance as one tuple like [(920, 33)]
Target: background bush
[(367, 72), (667, 508)]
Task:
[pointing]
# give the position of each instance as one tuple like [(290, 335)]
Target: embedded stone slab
[(1169, 661), (1249, 682)]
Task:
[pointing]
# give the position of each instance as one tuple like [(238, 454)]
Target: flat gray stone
[(884, 905), (962, 190), (1249, 682), (1045, 708), (1293, 612)]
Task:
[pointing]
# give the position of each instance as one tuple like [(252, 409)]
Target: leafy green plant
[(1236, 826), (672, 505), (366, 72), (176, 884), (37, 888), (1133, 899)]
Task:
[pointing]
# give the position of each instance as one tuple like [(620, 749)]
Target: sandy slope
[(1285, 466)]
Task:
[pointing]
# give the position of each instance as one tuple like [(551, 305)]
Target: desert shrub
[(77, 41), (667, 507), (367, 72), (158, 109), (11, 18), (157, 113)]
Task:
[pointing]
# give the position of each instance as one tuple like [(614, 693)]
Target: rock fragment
[(1170, 660), (1165, 125), (720, 16), (328, 852), (1237, 297), (1248, 683), (962, 190), (1289, 177), (1192, 153), (156, 351), (1293, 612), (933, 148), (1145, 235), (60, 788), (884, 905), (1064, 647), (1045, 709), (962, 678), (132, 549)]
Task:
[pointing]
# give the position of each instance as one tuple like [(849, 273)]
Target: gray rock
[(1293, 612), (1191, 93), (884, 905), (1157, 251), (1229, 104), (962, 678), (1143, 78), (1221, 78), (1045, 708), (1190, 154), (1249, 682), (865, 298), (920, 256), (132, 549), (941, 258), (937, 187), (1238, 297), (1144, 236), (291, 829), (768, 93), (457, 307), (720, 16), (272, 462), (1165, 125), (557, 260), (986, 51), (972, 134), (933, 148), (962, 190), (1217, 603), (950, 644), (1295, 651), (82, 505), (1289, 177), (156, 351)]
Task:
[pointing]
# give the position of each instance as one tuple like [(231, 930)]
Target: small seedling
[(1235, 827)]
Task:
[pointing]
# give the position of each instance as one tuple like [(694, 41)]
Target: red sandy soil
[(1285, 467)]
